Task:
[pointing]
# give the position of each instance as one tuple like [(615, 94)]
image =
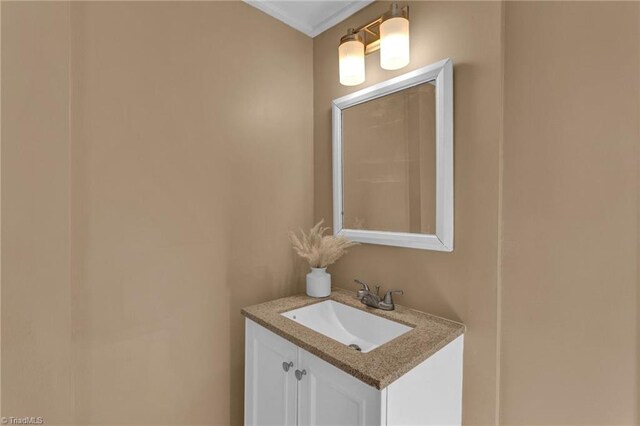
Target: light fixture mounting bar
[(371, 30)]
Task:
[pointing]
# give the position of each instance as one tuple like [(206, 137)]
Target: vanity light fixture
[(389, 33), (351, 52)]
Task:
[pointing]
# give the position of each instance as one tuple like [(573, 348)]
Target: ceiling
[(309, 16)]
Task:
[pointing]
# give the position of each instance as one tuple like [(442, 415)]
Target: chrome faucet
[(373, 300)]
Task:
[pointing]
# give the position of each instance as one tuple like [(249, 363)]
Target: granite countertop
[(379, 367)]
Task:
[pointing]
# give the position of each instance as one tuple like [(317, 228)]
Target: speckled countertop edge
[(378, 368)]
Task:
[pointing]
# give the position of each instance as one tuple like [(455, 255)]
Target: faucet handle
[(364, 285), (363, 291), (388, 296)]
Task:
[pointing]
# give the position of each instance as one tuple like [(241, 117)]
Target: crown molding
[(316, 26)]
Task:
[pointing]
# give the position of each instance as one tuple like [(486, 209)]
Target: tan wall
[(36, 307), (461, 285), (570, 251), (190, 158), (567, 301)]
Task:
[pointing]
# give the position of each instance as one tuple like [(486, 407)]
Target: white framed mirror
[(393, 161)]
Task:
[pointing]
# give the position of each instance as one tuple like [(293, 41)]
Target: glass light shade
[(394, 43), (351, 54)]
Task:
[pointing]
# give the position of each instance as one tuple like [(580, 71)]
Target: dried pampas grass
[(318, 249)]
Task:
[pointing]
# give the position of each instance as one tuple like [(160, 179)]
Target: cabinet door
[(269, 390), (328, 396)]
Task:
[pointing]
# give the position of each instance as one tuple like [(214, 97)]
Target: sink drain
[(356, 347)]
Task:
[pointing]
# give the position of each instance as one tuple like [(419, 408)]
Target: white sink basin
[(348, 325)]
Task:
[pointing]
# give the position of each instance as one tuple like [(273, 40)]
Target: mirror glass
[(389, 164)]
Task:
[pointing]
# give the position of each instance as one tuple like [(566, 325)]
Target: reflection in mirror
[(389, 165)]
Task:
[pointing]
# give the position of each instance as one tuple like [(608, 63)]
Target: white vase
[(318, 283)]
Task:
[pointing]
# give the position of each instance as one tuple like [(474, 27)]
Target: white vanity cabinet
[(286, 385), (329, 396), (270, 384), (324, 395)]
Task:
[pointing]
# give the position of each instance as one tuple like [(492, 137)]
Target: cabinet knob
[(299, 374), (287, 365)]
